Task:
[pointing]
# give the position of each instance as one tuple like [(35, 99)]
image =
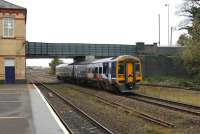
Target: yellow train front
[(128, 73)]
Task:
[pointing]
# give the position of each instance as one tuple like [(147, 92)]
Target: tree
[(191, 40), (183, 40), (53, 65), (191, 10)]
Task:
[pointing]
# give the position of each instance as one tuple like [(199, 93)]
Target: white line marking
[(11, 117), (52, 112), (10, 101), (8, 93), (8, 90)]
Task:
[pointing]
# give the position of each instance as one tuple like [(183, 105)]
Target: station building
[(12, 43)]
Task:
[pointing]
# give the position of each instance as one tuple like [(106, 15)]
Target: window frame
[(96, 70), (137, 67), (121, 67), (100, 70), (13, 31)]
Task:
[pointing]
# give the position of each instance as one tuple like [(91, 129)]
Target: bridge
[(78, 50), (71, 50)]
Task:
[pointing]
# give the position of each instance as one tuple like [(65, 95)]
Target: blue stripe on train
[(113, 72)]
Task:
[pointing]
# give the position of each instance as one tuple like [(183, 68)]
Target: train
[(120, 74)]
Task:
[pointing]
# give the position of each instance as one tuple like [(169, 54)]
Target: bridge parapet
[(72, 50), (154, 50)]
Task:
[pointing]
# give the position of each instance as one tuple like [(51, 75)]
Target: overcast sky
[(99, 21)]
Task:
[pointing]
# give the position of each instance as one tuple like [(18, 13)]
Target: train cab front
[(128, 74)]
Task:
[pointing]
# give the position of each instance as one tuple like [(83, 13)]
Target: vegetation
[(191, 41), (53, 65), (169, 80), (185, 96)]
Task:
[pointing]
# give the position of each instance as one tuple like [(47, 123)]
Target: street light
[(167, 5), (159, 29), (172, 30)]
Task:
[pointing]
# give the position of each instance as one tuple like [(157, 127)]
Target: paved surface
[(23, 111), (15, 110)]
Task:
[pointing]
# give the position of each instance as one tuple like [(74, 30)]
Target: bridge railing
[(63, 50)]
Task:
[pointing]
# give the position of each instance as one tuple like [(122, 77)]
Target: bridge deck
[(70, 50)]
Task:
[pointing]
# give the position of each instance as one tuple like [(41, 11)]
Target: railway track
[(45, 78), (169, 86), (75, 120), (131, 110), (177, 106)]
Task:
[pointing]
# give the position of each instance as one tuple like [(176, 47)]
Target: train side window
[(113, 70), (96, 70), (93, 70), (100, 70), (105, 68), (90, 70)]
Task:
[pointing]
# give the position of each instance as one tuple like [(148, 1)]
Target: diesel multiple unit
[(116, 73)]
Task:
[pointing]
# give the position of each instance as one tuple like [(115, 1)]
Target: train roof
[(110, 59), (103, 60), (62, 65), (124, 57)]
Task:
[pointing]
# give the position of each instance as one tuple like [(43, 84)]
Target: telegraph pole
[(159, 29), (167, 5)]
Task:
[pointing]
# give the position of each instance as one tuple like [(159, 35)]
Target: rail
[(131, 110), (178, 106), (100, 127), (170, 86)]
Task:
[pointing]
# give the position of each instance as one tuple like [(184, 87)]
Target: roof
[(127, 57), (103, 60), (8, 5), (62, 65), (111, 59)]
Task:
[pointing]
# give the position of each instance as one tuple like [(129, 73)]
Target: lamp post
[(171, 36), (172, 30), (167, 5), (159, 29)]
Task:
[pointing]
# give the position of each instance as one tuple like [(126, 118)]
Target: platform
[(23, 110)]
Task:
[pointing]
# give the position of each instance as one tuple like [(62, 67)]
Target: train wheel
[(103, 85), (115, 89), (98, 85)]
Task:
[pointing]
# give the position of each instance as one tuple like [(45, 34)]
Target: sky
[(99, 21)]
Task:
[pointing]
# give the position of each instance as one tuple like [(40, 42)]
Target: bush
[(191, 57)]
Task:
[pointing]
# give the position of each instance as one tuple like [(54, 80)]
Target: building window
[(8, 27)]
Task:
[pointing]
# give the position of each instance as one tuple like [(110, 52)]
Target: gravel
[(123, 123)]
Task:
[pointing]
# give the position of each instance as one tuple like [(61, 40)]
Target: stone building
[(12, 43)]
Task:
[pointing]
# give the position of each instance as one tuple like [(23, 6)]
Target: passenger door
[(129, 72)]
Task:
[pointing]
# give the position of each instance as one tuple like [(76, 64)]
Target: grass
[(171, 80), (190, 97)]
